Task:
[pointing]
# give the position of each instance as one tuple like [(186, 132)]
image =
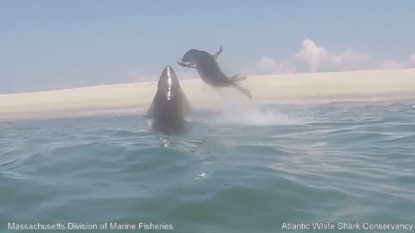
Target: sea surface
[(272, 168)]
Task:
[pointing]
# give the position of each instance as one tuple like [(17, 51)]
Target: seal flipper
[(242, 90), (186, 65), (237, 78), (216, 55)]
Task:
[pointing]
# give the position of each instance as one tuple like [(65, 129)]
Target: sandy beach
[(136, 97)]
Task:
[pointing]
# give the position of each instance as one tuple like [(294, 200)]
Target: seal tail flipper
[(237, 78), (242, 90), (216, 55)]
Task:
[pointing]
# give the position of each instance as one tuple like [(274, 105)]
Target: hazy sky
[(51, 44)]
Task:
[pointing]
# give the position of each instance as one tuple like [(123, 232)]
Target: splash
[(256, 116), (251, 113)]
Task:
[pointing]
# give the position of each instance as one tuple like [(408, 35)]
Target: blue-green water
[(336, 163)]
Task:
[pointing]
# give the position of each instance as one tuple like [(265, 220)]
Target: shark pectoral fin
[(188, 117), (237, 78), (186, 65), (187, 110), (216, 55), (150, 111)]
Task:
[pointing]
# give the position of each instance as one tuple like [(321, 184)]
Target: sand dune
[(135, 98)]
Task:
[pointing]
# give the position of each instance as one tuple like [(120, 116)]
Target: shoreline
[(368, 85)]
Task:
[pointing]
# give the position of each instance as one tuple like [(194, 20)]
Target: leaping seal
[(170, 110), (209, 70)]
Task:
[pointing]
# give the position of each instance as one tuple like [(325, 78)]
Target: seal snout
[(187, 64), (188, 59)]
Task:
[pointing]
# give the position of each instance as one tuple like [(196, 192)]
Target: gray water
[(243, 171)]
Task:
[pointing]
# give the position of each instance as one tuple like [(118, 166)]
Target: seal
[(170, 110), (209, 71)]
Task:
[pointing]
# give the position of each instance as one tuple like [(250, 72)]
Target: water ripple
[(333, 163)]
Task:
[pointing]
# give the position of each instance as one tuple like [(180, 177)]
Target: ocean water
[(246, 169)]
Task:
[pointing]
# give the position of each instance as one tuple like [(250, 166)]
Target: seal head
[(193, 57)]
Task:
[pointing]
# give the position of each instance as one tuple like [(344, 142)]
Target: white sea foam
[(234, 111)]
